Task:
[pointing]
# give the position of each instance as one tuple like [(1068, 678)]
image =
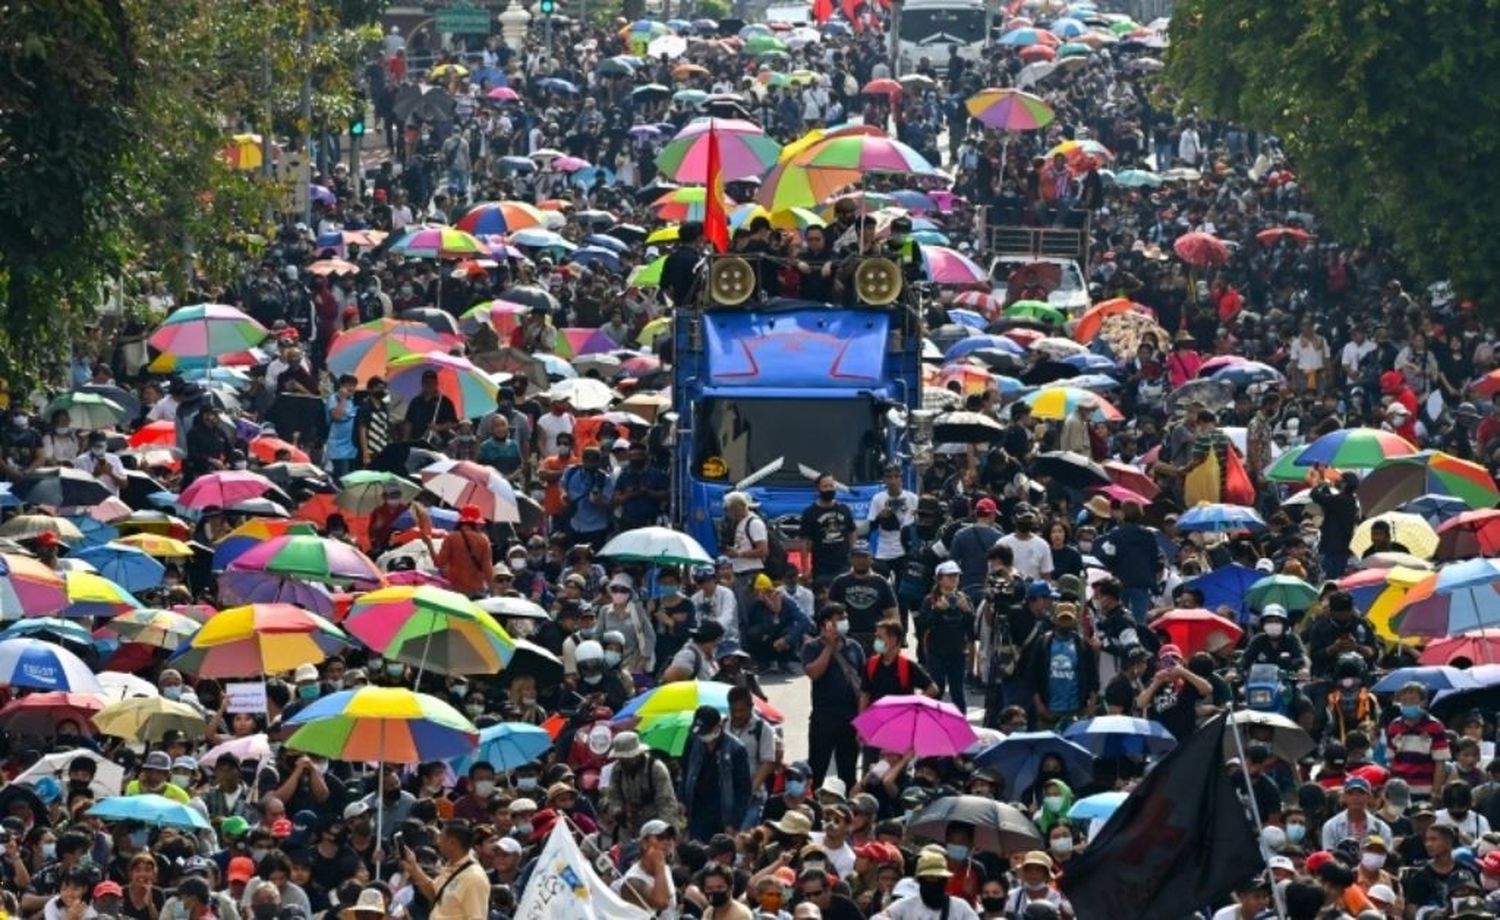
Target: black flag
[(1181, 841)]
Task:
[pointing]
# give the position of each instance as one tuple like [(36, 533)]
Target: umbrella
[(744, 150), (1245, 373), (123, 564), (1459, 597), (312, 557), (1201, 249), (157, 545), (438, 242), (827, 166), (1040, 312), (1120, 736), (237, 588), (1058, 402), (247, 747), (1437, 510), (915, 723), (382, 725), (949, 266), (160, 628), (1137, 178), (1401, 479), (656, 546), (430, 628), (364, 490), (1018, 757), (998, 827), (1069, 469), (1025, 37), (29, 588), (1288, 740), (1195, 630), (1410, 530), (151, 809), (205, 330), (60, 487), (109, 777), (1097, 807), (470, 389), (1273, 235), (1131, 477), (1434, 678), (531, 660), (1210, 517), (1355, 448), (91, 595), (254, 532), (464, 482), (1009, 109), (667, 733), (1474, 646), (39, 713), (1226, 585), (69, 634), (686, 696), (228, 487), (88, 410), (965, 428), (506, 746), (255, 640), (44, 666), (584, 393), (367, 350), (1289, 591), (1469, 534)]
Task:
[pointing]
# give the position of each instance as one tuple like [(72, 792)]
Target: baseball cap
[(1169, 651), (108, 889), (354, 810), (986, 506), (236, 826), (1065, 611), (1380, 893), (655, 828), (281, 827), (305, 673), (1040, 589), (157, 760), (510, 845), (948, 567), (1357, 784), (241, 869), (860, 548), (1281, 862)]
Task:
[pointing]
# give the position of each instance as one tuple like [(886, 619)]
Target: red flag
[(715, 220), (822, 10)]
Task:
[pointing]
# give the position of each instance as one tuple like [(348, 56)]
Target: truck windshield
[(957, 24), (736, 437)]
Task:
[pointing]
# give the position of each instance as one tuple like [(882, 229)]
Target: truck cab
[(1041, 263)]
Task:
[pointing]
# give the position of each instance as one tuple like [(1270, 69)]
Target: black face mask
[(992, 905), (934, 892), (718, 898), (827, 495), (264, 912)]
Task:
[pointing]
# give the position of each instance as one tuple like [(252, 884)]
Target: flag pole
[(1239, 747)]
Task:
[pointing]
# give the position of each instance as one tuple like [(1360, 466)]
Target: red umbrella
[(1480, 646), (39, 713), (265, 447), (1032, 54), (1123, 474), (1198, 248), (1470, 534), (155, 434), (884, 86), (1274, 235), (1486, 386), (1195, 630)]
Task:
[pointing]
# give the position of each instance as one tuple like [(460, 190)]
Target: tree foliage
[(1390, 111), (112, 116)]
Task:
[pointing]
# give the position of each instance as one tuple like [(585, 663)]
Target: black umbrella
[(407, 99), (949, 334), (60, 487), (440, 321), (1069, 469), (119, 395), (1044, 372), (20, 793), (655, 189), (138, 487), (436, 106), (1213, 394), (998, 360), (533, 660), (966, 428), (628, 233), (531, 296), (1016, 322), (998, 827)]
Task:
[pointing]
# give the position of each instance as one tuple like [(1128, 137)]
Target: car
[(1056, 281)]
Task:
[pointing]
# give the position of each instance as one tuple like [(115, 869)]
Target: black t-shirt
[(1121, 691), (1426, 887), (1175, 708), (886, 680), (832, 695), (422, 413), (866, 597), (828, 529)]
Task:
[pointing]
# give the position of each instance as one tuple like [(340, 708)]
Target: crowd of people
[(998, 575)]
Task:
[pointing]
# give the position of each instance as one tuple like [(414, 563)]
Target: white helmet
[(1273, 610), (588, 650)]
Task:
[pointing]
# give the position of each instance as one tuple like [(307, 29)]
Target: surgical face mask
[(1349, 683), (612, 659), (1411, 710), (98, 450), (1295, 832), (827, 495), (395, 668), (474, 710), (795, 787), (843, 627), (1061, 845), (62, 429), (517, 564), (957, 851), (483, 787), (172, 693), (1037, 885), (258, 853), (1053, 802), (1085, 546), (879, 646), (308, 691), (710, 737), (523, 828), (1274, 629), (182, 780), (526, 783), (1372, 861), (49, 850), (460, 690)]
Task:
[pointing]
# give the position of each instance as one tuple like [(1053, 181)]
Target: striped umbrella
[(38, 665), (438, 242), (91, 595), (252, 533), (1057, 403), (205, 330), (1458, 598), (744, 150), (430, 628), (368, 349), (1398, 480), (310, 557), (1355, 448), (257, 640), (28, 588), (470, 389), (1009, 109), (160, 628), (500, 217), (382, 725)]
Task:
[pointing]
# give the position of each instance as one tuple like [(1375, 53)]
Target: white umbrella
[(118, 685), (1289, 741), (656, 545), (109, 777), (584, 393), (673, 46)]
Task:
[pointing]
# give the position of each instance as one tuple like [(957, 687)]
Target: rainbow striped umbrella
[(252, 533), (91, 595), (1057, 403), (1025, 37), (430, 628), (439, 242), (205, 330), (364, 490), (367, 350), (949, 266), (500, 217), (311, 557), (684, 204), (382, 725), (259, 639), (160, 628), (744, 150), (789, 219), (1398, 480), (28, 588), (852, 156), (1355, 448), (1009, 109), (500, 315), (471, 389), (1458, 598), (1080, 152)]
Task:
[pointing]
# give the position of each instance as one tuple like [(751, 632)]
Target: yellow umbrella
[(1399, 580), (244, 152), (667, 234), (149, 718), (1409, 530), (800, 144), (157, 545), (662, 325)]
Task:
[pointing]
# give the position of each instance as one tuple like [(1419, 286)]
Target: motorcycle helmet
[(589, 657), (614, 648), (1349, 666), (1272, 611)]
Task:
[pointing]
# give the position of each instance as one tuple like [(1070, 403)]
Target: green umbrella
[(1289, 591), (87, 410), (667, 733), (648, 275), (1285, 469), (364, 490), (764, 44), (1035, 309)]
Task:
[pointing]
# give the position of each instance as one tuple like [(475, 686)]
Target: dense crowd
[(1168, 562)]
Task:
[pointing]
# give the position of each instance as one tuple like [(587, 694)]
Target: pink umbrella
[(503, 94), (1132, 479), (585, 341), (1120, 494), (569, 164), (464, 482), (228, 487), (949, 266), (915, 723), (249, 747), (744, 151)]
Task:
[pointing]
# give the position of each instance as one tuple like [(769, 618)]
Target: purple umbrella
[(322, 195), (246, 587), (915, 723)]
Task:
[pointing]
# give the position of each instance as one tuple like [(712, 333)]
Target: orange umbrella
[(1196, 629), (1089, 324), (320, 506), (265, 448)]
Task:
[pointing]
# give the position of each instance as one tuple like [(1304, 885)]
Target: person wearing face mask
[(1371, 870), (641, 491), (640, 788), (624, 617), (1060, 844), (715, 777), (154, 777), (932, 900), (716, 883), (1419, 743), (597, 681), (106, 467), (1275, 643), (397, 805), (828, 528), (20, 443), (865, 594)]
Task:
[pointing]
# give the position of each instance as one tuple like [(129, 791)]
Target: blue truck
[(770, 393)]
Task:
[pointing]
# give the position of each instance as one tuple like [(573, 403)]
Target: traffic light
[(547, 7), (357, 120)]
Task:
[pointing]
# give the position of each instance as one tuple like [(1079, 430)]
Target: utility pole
[(306, 47), (895, 39)]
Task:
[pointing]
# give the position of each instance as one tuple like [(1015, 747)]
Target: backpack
[(903, 671), (776, 563)]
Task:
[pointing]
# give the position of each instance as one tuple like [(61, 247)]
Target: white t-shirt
[(1033, 555), (1474, 825), (1308, 356), (723, 608), (888, 542), (912, 908), (747, 533), (1353, 353), (635, 871), (549, 426)]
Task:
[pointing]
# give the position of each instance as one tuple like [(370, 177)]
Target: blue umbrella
[(914, 200), (557, 84), (152, 809), (1434, 678), (52, 629), (1090, 362), (95, 533), (1434, 508), (442, 518), (620, 247), (598, 256), (976, 342), (1248, 372), (1010, 387), (1120, 736), (1226, 585), (518, 164), (1219, 518), (7, 500), (506, 746), (1019, 756), (126, 566), (584, 178), (1097, 807), (556, 366), (930, 238), (41, 665), (968, 318), (676, 25)]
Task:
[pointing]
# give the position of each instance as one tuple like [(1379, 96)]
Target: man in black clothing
[(1340, 515), (836, 666), (815, 265), (866, 594), (680, 272), (208, 446), (1340, 631), (827, 526), (429, 412)]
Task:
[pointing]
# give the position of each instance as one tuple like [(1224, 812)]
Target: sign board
[(462, 19), (245, 697)]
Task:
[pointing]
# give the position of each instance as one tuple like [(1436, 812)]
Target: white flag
[(563, 886)]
